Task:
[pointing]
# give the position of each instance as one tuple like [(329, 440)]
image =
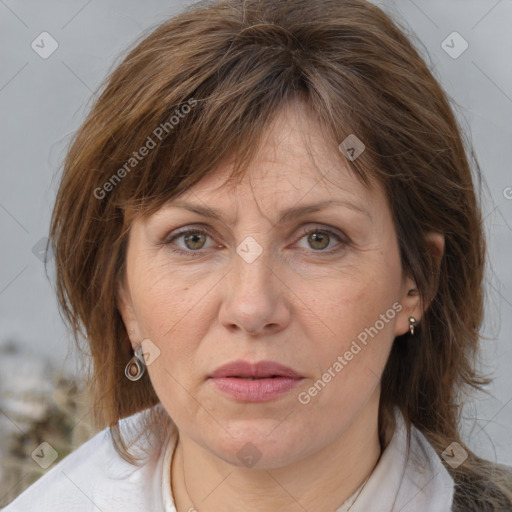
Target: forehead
[(295, 162)]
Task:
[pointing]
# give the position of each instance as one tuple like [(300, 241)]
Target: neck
[(201, 482)]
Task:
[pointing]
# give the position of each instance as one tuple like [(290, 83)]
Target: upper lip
[(261, 369)]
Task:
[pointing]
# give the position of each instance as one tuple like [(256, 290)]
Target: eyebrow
[(286, 215)]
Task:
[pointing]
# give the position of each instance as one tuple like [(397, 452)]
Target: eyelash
[(195, 254)]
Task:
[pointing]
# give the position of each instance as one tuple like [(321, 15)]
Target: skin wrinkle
[(298, 308)]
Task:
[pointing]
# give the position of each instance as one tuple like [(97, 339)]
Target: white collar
[(401, 482), (414, 482), (167, 498)]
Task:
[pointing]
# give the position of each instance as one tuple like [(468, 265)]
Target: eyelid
[(186, 229)]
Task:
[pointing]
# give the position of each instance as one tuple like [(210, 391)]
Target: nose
[(255, 297)]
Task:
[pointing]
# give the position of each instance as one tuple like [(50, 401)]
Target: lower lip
[(259, 390)]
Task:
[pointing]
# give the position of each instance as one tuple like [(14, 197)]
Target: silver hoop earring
[(412, 322), (135, 368)]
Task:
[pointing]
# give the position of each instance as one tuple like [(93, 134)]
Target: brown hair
[(235, 63)]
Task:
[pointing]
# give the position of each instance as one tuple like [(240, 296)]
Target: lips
[(254, 382), (253, 371)]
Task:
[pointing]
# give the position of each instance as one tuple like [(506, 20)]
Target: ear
[(125, 307), (411, 300)]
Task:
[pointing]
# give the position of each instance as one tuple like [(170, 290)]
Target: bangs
[(171, 136)]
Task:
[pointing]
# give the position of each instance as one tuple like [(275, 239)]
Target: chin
[(259, 444)]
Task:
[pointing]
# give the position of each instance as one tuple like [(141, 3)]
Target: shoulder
[(426, 484), (95, 477), (73, 482)]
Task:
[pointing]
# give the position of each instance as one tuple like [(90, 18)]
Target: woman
[(267, 231)]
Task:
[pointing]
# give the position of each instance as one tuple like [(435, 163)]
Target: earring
[(412, 321), (135, 368)]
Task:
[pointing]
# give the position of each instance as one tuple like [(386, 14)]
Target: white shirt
[(94, 478)]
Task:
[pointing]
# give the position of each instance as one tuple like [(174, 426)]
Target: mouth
[(260, 382), (255, 378), (249, 371)]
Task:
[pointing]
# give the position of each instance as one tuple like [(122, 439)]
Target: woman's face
[(253, 286)]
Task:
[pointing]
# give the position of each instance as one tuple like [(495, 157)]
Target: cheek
[(347, 302), (171, 313), (353, 331), (347, 371), (166, 297), (174, 318)]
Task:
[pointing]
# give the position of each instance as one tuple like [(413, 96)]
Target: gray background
[(43, 101)]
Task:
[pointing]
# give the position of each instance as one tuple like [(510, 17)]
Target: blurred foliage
[(65, 423)]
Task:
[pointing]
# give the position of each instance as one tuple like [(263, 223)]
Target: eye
[(320, 238), (194, 240)]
